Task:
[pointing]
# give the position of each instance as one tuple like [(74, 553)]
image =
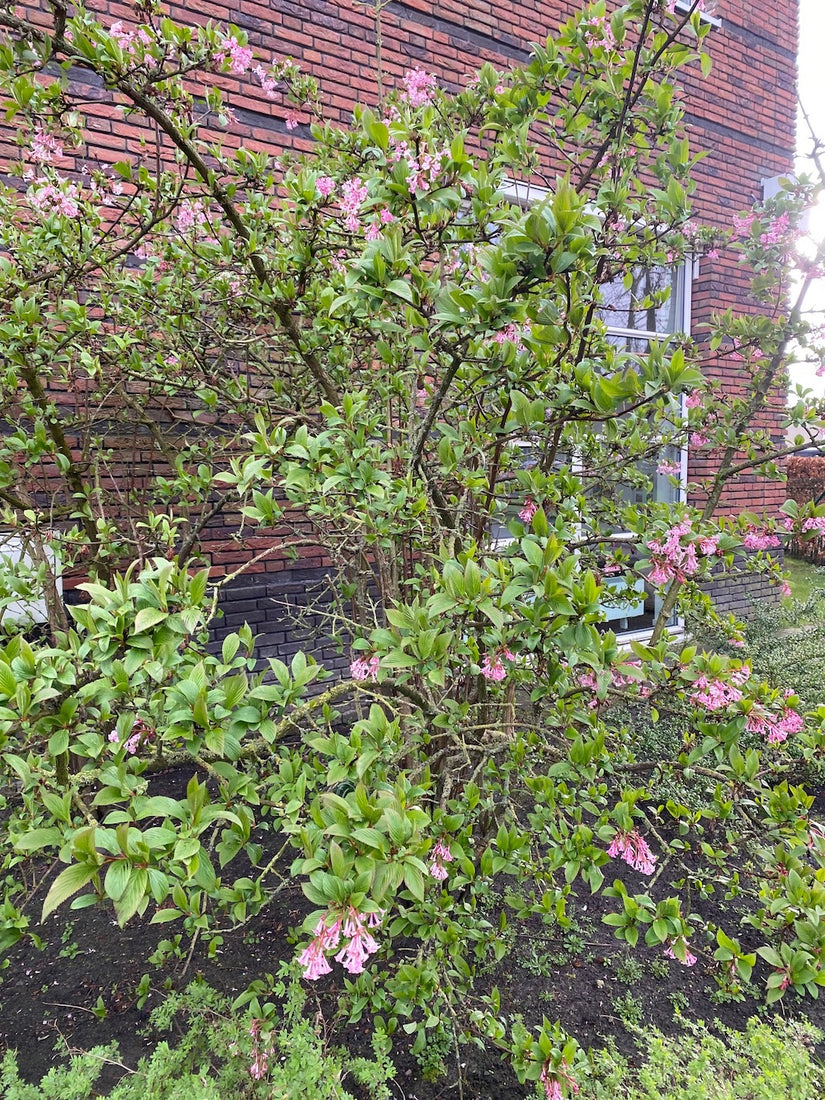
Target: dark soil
[(81, 989)]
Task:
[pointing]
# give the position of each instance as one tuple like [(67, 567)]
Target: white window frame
[(706, 17)]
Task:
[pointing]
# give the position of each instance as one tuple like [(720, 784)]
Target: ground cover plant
[(372, 352)]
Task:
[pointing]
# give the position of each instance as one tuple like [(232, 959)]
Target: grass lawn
[(803, 578)]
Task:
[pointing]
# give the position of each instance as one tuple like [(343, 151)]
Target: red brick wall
[(743, 115)]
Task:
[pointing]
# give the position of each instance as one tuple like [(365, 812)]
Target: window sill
[(686, 5)]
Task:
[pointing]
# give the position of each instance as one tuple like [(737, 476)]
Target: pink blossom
[(528, 509), (49, 199), (552, 1078), (742, 224), (141, 731), (373, 232), (598, 32), (291, 121), (672, 469), (363, 668), (814, 523), (712, 254), (688, 960), (709, 545), (238, 56), (492, 668), (354, 192), (190, 216), (776, 728), (361, 944), (698, 439), (268, 83), (715, 694), (756, 539), (44, 147), (260, 1054), (386, 215), (325, 186), (693, 400), (419, 87), (440, 855), (777, 230), (785, 589), (671, 559), (633, 849), (513, 334), (128, 39), (324, 938)]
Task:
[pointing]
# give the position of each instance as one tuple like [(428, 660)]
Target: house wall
[(742, 116)]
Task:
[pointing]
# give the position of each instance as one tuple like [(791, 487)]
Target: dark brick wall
[(287, 612), (740, 594)]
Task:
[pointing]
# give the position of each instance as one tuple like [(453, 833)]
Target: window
[(649, 304), (646, 305)]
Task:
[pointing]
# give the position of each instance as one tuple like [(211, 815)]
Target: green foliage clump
[(214, 1056), (768, 1061)]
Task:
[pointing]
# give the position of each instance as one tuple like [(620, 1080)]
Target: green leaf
[(148, 617), (414, 881), (8, 682), (68, 882), (401, 289)]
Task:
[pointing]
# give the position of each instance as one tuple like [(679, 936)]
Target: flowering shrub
[(359, 345)]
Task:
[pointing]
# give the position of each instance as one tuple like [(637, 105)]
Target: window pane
[(640, 307)]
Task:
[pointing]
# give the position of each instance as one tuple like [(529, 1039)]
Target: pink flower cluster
[(239, 57), (742, 224), (51, 199), (141, 731), (423, 168), (365, 668), (419, 87), (492, 668), (588, 680), (688, 960), (528, 510), (670, 559), (353, 194), (261, 1053), (551, 1080), (44, 147), (815, 523), (777, 230), (693, 400), (718, 694), (759, 539), (513, 334), (325, 185), (438, 857), (385, 217), (598, 32), (129, 40), (190, 216), (633, 849), (672, 469), (268, 82), (352, 956), (776, 728)]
